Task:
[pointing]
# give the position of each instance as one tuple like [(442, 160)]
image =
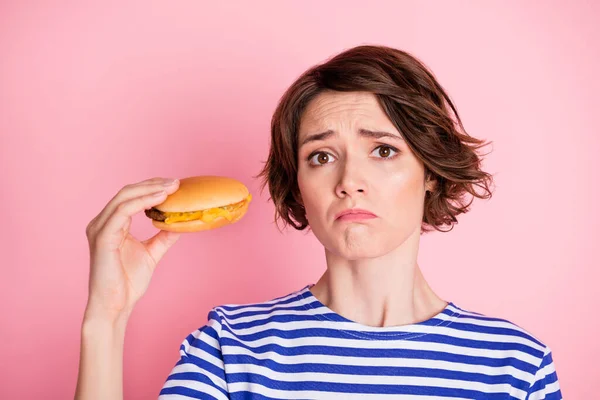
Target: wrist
[(100, 317)]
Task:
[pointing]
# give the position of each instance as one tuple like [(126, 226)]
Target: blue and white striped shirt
[(294, 347)]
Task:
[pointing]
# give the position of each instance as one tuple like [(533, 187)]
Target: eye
[(321, 158), (384, 151)]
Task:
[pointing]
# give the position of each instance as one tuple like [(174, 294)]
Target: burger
[(201, 203)]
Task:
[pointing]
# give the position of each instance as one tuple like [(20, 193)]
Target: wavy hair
[(418, 107)]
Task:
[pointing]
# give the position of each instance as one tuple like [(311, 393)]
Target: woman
[(368, 152)]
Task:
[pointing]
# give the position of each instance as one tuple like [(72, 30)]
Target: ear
[(430, 182)]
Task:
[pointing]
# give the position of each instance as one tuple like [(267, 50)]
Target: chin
[(353, 245)]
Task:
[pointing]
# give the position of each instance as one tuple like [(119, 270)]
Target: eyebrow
[(362, 132)]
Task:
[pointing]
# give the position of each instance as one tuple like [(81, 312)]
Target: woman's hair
[(418, 107)]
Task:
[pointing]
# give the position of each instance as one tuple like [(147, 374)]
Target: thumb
[(158, 245)]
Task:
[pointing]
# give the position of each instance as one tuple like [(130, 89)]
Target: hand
[(121, 266)]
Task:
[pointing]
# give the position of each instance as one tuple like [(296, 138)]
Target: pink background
[(96, 95)]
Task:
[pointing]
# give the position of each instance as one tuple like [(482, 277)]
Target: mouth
[(355, 215)]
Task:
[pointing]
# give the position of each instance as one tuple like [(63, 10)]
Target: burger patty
[(155, 214), (158, 215)]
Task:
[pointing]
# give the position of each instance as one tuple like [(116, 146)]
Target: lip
[(353, 214)]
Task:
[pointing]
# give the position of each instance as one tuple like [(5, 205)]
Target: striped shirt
[(294, 347)]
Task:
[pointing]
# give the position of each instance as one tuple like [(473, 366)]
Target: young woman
[(367, 151)]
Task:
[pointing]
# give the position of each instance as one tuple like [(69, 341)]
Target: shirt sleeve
[(200, 371), (545, 383)]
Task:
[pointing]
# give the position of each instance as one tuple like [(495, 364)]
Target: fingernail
[(170, 182)]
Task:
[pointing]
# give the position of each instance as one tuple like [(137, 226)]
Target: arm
[(545, 382), (101, 358), (120, 271), (200, 371)]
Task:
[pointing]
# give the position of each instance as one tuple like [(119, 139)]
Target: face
[(355, 165)]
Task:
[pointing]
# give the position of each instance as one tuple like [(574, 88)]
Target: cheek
[(304, 190), (308, 193), (405, 197), (315, 203)]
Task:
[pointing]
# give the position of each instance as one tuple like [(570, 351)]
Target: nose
[(351, 182)]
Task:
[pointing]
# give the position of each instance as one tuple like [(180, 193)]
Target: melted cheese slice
[(206, 215)]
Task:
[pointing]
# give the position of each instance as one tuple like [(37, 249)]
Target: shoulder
[(526, 351), (240, 316), (500, 334), (237, 321)]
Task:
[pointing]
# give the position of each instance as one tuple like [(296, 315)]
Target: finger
[(108, 207), (158, 245), (129, 192), (112, 232)]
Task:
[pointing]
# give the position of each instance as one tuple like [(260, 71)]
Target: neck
[(385, 291)]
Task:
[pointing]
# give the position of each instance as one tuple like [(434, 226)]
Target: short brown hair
[(416, 104)]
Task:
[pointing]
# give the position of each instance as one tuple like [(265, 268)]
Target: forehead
[(334, 108)]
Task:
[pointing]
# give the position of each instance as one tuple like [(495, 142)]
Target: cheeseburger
[(201, 203)]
